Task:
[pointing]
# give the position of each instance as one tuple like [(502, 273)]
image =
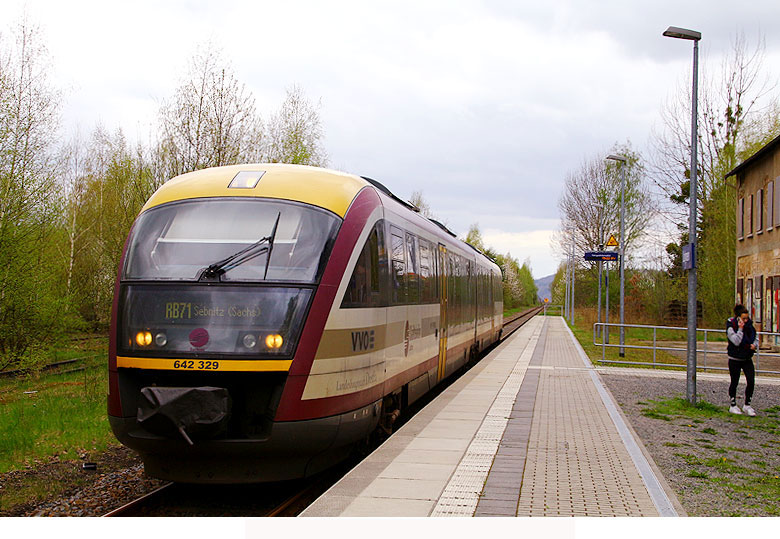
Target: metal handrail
[(703, 351)]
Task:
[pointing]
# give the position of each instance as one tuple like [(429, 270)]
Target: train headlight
[(143, 338), (246, 179), (249, 340), (161, 339), (274, 341)]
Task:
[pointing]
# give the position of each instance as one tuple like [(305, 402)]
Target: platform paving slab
[(526, 432)]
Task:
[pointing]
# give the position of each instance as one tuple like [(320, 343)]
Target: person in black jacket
[(743, 343)]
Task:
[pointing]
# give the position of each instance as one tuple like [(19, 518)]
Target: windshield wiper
[(246, 254)]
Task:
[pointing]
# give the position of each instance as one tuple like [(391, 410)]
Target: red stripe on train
[(291, 407)]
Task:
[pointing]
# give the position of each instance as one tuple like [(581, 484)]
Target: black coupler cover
[(191, 412)]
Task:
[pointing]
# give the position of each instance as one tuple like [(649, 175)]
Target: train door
[(489, 291), (473, 279), (442, 311)]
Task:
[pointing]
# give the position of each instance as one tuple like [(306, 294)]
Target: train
[(268, 318)]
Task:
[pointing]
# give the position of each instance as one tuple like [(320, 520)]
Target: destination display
[(604, 256), (211, 319)]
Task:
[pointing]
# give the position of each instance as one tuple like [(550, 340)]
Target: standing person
[(743, 343)]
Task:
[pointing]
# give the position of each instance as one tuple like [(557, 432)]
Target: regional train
[(268, 318)]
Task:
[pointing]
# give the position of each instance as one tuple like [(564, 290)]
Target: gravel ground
[(63, 488), (718, 464)]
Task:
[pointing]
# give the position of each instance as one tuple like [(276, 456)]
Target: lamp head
[(617, 158), (682, 33)]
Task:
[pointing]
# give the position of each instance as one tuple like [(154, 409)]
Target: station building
[(758, 236)]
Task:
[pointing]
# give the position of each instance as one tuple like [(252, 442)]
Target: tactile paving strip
[(461, 495)]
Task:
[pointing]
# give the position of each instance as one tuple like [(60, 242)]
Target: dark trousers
[(735, 366)]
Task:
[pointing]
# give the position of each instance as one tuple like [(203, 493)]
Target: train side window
[(425, 272), (398, 270), (364, 285), (412, 270)]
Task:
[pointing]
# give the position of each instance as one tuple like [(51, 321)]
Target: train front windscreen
[(221, 277)]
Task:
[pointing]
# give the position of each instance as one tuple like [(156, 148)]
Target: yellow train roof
[(321, 187)]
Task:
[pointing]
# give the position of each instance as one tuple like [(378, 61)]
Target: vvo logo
[(362, 340)]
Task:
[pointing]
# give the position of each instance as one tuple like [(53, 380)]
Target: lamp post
[(600, 235), (573, 268), (690, 386), (566, 294), (623, 161)]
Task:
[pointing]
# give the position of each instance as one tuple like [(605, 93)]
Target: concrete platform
[(529, 431)]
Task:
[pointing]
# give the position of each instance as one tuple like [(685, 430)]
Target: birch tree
[(29, 121), (590, 203), (211, 119), (294, 133)]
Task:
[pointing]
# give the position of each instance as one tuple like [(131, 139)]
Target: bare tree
[(418, 200), (294, 133), (727, 104), (737, 115), (211, 120), (590, 204), (29, 121)]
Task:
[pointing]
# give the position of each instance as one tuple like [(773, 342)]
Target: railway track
[(263, 500), (274, 500), (514, 322)]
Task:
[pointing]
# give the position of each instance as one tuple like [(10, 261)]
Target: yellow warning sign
[(612, 241)]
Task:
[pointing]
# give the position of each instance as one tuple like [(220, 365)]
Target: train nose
[(191, 412)]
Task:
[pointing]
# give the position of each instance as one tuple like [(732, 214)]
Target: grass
[(652, 414), (515, 310), (745, 475), (34, 490), (584, 319), (54, 415), (680, 407), (584, 334)]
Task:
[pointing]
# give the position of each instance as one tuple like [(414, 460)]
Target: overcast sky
[(484, 106)]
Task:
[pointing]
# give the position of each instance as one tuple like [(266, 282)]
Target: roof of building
[(758, 155)]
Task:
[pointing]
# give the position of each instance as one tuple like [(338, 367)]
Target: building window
[(776, 203), (759, 211), (770, 204), (741, 218), (758, 296), (750, 217)]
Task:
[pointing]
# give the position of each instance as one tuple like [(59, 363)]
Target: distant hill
[(544, 286)]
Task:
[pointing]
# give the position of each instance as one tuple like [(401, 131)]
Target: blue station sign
[(603, 256), (689, 256)]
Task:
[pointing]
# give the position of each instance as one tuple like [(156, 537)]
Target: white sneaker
[(749, 410), (735, 410)]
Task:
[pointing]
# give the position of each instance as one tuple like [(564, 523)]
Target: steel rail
[(128, 508)]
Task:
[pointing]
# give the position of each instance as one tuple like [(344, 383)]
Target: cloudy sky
[(484, 106)]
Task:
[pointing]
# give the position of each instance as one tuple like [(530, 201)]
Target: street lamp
[(623, 161), (573, 268), (600, 234), (690, 386)]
